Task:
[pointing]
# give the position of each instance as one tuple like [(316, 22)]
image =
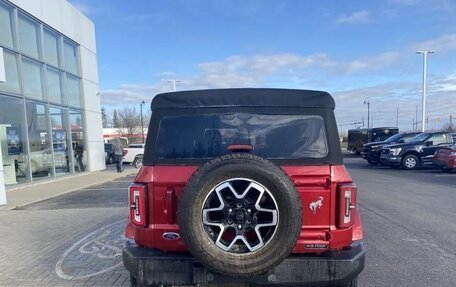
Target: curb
[(5, 207)]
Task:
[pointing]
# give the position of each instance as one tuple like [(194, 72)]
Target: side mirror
[(401, 141), (429, 143)]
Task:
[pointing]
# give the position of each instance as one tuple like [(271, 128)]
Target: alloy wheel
[(240, 215)]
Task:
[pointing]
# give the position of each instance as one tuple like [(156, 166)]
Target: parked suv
[(243, 186), (358, 137), (371, 151), (418, 151)]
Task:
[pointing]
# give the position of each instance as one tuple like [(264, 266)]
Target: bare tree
[(115, 120), (104, 118), (130, 124)]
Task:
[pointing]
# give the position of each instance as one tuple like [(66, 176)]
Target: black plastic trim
[(243, 97), (338, 268)]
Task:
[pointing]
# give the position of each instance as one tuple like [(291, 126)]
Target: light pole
[(142, 123), (423, 101), (397, 117), (368, 113), (174, 83)]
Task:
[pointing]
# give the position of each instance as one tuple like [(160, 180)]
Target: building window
[(39, 141), (77, 138), (54, 85), (51, 47), (12, 76), (59, 140), (73, 91), (28, 36), (13, 140), (31, 79), (70, 53), (6, 32)]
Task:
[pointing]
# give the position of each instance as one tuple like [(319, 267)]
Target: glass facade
[(41, 116), (13, 130), (71, 57), (39, 141), (72, 91), (12, 74), (6, 35), (54, 85), (77, 138), (32, 79), (51, 47), (28, 36)]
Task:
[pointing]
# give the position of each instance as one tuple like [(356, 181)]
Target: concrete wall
[(65, 18)]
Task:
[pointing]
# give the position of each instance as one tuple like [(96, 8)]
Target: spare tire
[(240, 215)]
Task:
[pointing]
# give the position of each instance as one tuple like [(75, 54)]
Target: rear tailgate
[(313, 185)]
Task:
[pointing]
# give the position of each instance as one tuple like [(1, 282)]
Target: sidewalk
[(27, 194)]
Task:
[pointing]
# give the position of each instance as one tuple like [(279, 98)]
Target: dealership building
[(50, 116)]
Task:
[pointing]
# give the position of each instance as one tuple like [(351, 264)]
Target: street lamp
[(423, 101), (397, 117), (142, 123), (174, 83), (368, 113)]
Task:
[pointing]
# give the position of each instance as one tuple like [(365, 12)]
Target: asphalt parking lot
[(75, 239), (409, 226)]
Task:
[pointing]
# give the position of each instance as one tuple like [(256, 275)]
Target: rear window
[(271, 136)]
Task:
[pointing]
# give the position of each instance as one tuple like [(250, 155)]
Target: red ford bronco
[(243, 186)]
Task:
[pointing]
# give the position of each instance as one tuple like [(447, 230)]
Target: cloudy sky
[(357, 50)]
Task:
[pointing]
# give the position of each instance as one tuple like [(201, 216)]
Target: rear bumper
[(151, 266)]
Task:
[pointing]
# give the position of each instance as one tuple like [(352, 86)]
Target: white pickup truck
[(133, 154)]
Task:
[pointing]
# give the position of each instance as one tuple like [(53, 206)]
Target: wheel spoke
[(219, 208)]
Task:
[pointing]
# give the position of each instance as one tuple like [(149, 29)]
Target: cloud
[(259, 66), (386, 98), (358, 17), (351, 81), (129, 95), (375, 62), (250, 71), (444, 42)]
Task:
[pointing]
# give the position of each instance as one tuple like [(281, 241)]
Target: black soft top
[(248, 97), (250, 100)]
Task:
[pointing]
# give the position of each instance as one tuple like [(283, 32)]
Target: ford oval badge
[(171, 235)]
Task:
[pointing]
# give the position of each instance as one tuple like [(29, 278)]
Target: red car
[(243, 186), (445, 158)]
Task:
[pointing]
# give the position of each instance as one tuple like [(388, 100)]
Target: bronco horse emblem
[(316, 204)]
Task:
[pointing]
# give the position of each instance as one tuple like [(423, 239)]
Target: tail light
[(124, 152), (137, 198), (346, 205)]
